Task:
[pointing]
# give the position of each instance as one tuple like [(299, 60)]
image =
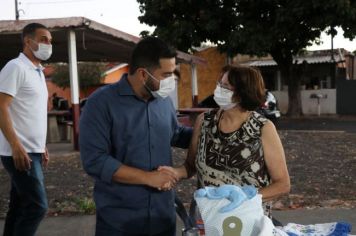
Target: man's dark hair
[(148, 52), (30, 30)]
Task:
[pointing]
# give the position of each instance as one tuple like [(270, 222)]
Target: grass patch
[(86, 205)]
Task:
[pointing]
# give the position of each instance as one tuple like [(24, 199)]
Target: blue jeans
[(28, 200), (104, 229)]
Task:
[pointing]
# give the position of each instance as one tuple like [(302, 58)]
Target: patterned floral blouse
[(232, 158)]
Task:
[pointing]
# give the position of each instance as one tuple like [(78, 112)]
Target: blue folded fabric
[(249, 190), (341, 229), (323, 229), (235, 194)]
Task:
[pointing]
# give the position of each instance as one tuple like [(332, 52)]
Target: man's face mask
[(223, 97), (166, 86), (43, 52)]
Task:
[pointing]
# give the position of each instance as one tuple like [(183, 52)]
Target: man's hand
[(22, 161), (45, 158), (162, 179), (172, 171)]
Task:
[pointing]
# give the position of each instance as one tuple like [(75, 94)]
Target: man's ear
[(141, 74), (26, 41)]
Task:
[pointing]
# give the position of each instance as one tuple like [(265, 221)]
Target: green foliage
[(281, 28), (86, 206), (247, 26), (90, 74)]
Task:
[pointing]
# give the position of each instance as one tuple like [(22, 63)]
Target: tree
[(90, 74), (281, 28)]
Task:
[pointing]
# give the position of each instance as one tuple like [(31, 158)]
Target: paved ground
[(84, 225), (325, 123)]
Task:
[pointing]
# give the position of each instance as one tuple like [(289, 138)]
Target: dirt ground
[(322, 166)]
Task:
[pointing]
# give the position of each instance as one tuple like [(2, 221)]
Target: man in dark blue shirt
[(126, 133)]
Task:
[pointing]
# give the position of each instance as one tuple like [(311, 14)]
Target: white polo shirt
[(25, 82)]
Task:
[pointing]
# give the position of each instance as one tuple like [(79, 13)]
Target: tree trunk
[(289, 71), (293, 82)]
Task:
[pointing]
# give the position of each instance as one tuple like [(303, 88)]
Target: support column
[(194, 85), (74, 86)]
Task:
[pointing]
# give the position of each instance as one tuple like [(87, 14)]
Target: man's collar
[(26, 60), (125, 87)]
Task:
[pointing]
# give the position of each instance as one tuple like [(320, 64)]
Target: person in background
[(126, 133), (55, 98), (236, 145), (23, 123)]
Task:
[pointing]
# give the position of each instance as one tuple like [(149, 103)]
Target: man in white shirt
[(23, 125)]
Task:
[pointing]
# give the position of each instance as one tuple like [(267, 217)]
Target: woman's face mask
[(166, 86), (43, 52), (223, 97)]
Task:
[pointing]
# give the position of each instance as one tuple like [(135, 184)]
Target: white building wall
[(310, 105)]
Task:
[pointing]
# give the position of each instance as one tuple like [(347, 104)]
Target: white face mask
[(166, 86), (223, 97), (43, 52)]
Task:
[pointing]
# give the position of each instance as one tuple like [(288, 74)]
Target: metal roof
[(310, 59), (117, 67), (95, 41)]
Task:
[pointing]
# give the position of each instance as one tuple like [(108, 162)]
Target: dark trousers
[(104, 229), (28, 200)]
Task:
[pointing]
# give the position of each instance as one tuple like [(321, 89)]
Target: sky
[(118, 14)]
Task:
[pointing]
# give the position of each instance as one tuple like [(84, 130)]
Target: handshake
[(164, 178)]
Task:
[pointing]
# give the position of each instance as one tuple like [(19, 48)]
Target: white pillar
[(194, 85), (74, 85), (73, 69), (174, 96)]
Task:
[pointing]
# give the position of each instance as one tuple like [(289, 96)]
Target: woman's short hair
[(249, 88)]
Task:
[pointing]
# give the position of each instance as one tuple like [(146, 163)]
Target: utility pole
[(332, 47), (333, 62), (17, 11)]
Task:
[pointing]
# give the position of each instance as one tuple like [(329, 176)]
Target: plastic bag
[(246, 220)]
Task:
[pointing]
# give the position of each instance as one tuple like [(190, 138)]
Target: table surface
[(57, 113), (193, 110)]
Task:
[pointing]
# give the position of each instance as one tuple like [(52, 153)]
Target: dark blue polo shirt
[(117, 127)]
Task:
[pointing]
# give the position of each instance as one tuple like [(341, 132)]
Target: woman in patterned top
[(235, 144)]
